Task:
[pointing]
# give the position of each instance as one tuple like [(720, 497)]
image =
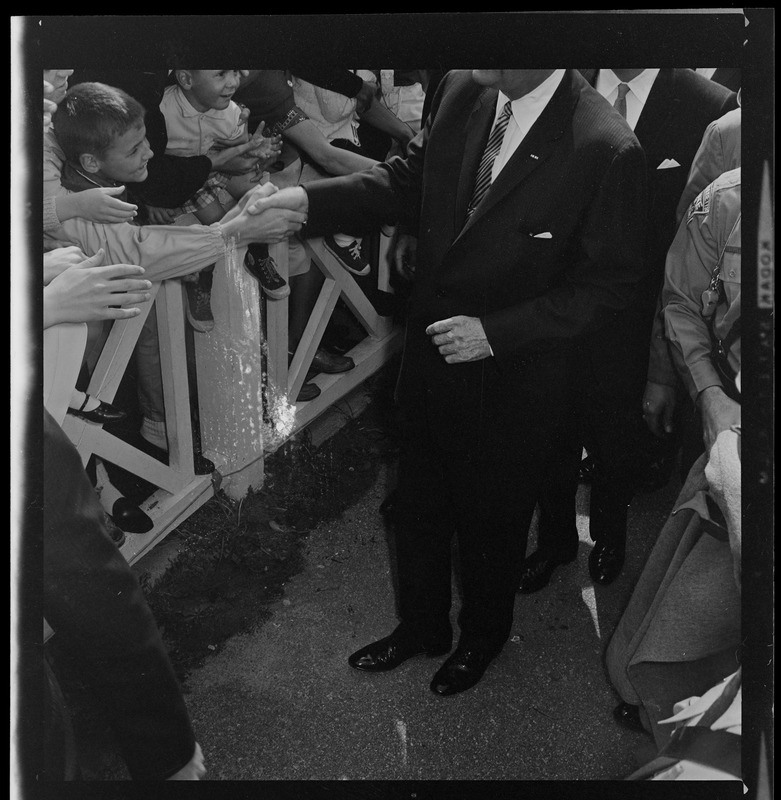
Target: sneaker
[(265, 270), (349, 256), (199, 310)]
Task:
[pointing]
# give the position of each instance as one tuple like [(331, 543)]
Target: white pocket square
[(668, 163), (546, 235)]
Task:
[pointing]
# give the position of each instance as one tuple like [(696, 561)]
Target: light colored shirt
[(706, 72), (719, 152), (639, 89), (526, 111), (164, 251), (709, 235), (192, 132)]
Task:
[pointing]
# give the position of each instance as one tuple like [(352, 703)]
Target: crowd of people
[(571, 243)]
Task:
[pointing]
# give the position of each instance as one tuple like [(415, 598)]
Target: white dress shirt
[(526, 110), (639, 89)]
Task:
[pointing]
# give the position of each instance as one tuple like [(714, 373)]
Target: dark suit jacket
[(578, 176), (730, 78), (680, 106)]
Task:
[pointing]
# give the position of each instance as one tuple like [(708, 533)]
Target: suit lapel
[(535, 148), (478, 129), (660, 106)]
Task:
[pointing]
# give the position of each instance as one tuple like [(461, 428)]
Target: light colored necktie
[(492, 148), (620, 104)]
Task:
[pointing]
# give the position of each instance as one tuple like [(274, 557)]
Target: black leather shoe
[(605, 562), (104, 413), (461, 671), (629, 716), (586, 470), (331, 364), (538, 569), (386, 654), (308, 391), (129, 517)]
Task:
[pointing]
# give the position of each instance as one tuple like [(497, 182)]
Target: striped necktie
[(620, 104), (492, 148)]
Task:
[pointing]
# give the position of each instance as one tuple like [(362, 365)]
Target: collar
[(95, 180), (187, 109), (535, 100), (607, 82)]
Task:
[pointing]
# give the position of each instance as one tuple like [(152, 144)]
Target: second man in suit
[(668, 110)]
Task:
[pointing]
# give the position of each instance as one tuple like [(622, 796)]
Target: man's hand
[(57, 261), (293, 198), (88, 293), (49, 106), (261, 218), (404, 255), (233, 159), (719, 413), (193, 770), (101, 205), (460, 339), (658, 407)]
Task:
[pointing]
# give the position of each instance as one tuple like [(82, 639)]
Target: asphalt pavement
[(281, 703)]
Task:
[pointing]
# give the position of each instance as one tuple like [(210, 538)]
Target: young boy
[(101, 133), (200, 117)]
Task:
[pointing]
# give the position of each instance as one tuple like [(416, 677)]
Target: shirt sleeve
[(165, 251), (707, 165), (53, 159), (661, 368), (690, 263)]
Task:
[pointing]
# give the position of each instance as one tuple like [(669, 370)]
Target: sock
[(343, 240), (77, 398), (154, 432)]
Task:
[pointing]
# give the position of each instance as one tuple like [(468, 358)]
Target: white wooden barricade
[(246, 357), (180, 490)]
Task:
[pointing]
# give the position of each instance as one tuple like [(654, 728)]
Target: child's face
[(125, 161), (212, 88)]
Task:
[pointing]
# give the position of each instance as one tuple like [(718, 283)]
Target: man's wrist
[(709, 392), (230, 230)]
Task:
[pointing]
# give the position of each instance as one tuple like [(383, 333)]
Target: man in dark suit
[(517, 256), (668, 110)]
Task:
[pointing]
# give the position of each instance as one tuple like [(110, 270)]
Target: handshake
[(294, 198), (267, 214)]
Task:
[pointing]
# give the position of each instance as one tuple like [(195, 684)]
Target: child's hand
[(101, 205), (265, 148), (244, 115), (160, 216)]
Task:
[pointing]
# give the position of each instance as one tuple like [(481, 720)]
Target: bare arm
[(306, 136)]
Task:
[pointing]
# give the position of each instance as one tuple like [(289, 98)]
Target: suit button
[(441, 293)]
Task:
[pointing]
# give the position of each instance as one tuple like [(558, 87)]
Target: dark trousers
[(482, 496), (606, 381)]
